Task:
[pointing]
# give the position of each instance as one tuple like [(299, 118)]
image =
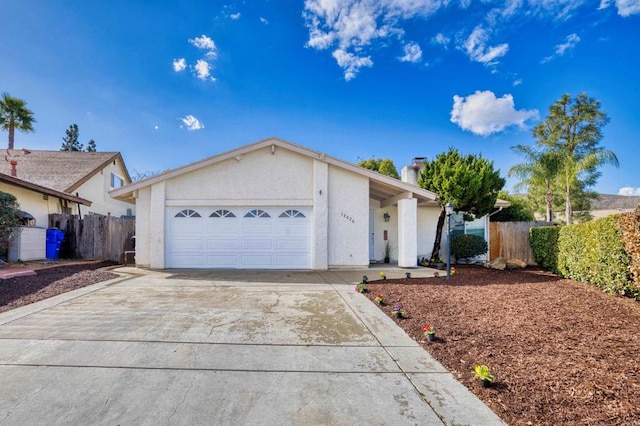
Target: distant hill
[(611, 202)]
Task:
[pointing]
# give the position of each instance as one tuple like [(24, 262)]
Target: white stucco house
[(277, 205), (72, 182)]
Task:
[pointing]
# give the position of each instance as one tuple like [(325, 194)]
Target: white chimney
[(409, 173)]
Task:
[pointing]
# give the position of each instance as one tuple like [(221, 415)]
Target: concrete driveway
[(189, 347)]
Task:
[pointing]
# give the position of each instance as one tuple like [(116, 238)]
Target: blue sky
[(168, 83)]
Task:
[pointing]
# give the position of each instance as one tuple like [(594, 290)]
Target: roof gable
[(382, 186), (59, 170)]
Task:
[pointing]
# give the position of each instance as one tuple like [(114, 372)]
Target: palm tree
[(573, 130), (539, 171), (15, 115)]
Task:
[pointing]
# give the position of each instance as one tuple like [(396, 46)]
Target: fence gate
[(94, 236), (510, 240)]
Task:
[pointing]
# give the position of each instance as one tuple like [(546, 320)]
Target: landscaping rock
[(498, 263), (516, 264)]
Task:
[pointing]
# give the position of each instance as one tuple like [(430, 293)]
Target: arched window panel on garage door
[(257, 213), (188, 213), (222, 213), (292, 213)]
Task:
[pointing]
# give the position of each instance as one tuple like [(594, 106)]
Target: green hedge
[(544, 243), (590, 252), (593, 252)]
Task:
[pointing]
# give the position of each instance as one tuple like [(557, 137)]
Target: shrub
[(466, 246), (593, 252), (629, 224), (544, 243)]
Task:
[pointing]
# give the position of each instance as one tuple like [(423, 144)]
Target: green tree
[(538, 174), (70, 141), (518, 211), (573, 130), (382, 166), (470, 183), (14, 114), (9, 217)]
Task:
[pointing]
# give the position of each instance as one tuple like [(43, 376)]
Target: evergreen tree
[(573, 131), (382, 166), (70, 142), (470, 183)]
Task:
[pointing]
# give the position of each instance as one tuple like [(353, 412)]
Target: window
[(116, 181), (291, 213), (222, 213), (257, 213), (188, 213)]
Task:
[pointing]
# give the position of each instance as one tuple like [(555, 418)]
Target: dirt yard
[(561, 351), (50, 281)]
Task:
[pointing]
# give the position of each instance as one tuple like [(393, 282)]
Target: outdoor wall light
[(386, 217)]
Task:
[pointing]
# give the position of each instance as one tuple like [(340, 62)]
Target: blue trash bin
[(54, 241)]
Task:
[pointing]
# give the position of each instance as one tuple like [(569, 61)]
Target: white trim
[(239, 203)]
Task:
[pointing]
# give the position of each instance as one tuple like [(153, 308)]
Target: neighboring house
[(73, 182), (277, 205)]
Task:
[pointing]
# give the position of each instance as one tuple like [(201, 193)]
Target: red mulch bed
[(562, 352), (50, 281)]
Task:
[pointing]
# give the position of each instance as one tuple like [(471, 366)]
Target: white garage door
[(233, 237)]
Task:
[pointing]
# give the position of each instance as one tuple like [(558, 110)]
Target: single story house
[(277, 205), (72, 182)]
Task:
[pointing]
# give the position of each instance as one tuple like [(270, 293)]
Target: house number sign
[(346, 216)]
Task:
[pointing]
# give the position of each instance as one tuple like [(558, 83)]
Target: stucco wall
[(97, 188), (348, 218), (143, 236), (427, 222), (259, 175), (32, 202)]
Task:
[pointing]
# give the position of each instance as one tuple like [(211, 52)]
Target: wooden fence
[(94, 236), (510, 240)]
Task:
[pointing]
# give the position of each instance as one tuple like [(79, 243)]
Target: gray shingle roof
[(60, 170)]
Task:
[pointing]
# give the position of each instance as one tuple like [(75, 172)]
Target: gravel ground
[(50, 281), (562, 351)]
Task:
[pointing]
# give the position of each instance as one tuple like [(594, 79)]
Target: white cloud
[(351, 63), (517, 82), (207, 44), (192, 123), (203, 42), (352, 26), (412, 52), (604, 4), (202, 69), (264, 20), (570, 42), (629, 191), (476, 47), (179, 64), (627, 7), (235, 16), (441, 39), (483, 114)]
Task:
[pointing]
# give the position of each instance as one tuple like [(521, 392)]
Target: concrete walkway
[(222, 347)]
